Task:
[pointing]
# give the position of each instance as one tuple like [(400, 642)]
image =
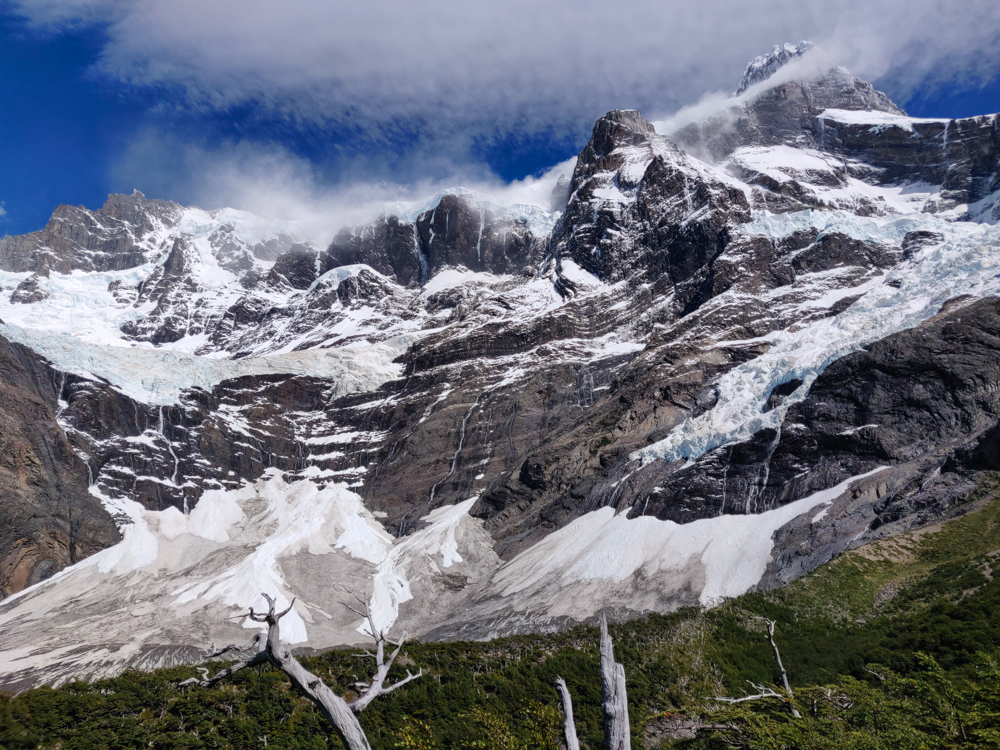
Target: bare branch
[(259, 658), (363, 615), (270, 603), (393, 686), (781, 667), (394, 654), (763, 691), (335, 709), (377, 686), (255, 641)]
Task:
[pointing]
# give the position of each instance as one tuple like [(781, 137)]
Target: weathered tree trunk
[(781, 668), (615, 701), (339, 713), (572, 743)]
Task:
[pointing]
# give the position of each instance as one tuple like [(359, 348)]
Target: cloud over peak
[(445, 66)]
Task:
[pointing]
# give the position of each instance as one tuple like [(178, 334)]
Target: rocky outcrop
[(763, 67), (640, 207), (923, 402), (962, 156), (48, 519), (788, 113), (458, 232), (78, 239), (524, 374), (28, 291), (389, 246)]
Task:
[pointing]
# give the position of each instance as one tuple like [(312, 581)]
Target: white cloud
[(3, 209), (451, 65), (270, 181), (441, 76)]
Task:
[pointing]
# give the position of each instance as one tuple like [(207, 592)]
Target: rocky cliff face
[(729, 353), (48, 520)]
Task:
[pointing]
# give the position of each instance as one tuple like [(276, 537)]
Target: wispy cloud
[(446, 66), (270, 181), (441, 77)]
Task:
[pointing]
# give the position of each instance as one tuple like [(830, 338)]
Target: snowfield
[(177, 579)]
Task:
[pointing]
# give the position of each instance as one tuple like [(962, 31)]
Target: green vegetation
[(896, 645)]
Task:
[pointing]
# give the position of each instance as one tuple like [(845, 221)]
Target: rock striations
[(712, 359)]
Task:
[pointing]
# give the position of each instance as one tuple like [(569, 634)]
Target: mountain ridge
[(500, 405)]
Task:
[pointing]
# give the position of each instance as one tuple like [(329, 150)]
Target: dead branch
[(338, 712), (763, 691), (614, 699), (781, 668), (572, 743), (377, 686)]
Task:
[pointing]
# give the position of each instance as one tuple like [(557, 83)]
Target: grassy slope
[(930, 591)]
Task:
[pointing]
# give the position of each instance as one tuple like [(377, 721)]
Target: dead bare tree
[(614, 699), (377, 686), (781, 668), (572, 743), (267, 649), (762, 690)]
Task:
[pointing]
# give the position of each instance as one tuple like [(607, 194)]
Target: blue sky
[(262, 104)]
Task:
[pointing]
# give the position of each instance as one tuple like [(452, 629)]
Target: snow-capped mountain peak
[(763, 67), (731, 352)]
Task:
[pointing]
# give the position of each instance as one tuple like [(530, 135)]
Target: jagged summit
[(763, 67)]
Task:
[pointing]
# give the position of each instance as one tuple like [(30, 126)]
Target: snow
[(729, 553), (391, 585), (450, 278), (262, 524), (570, 270), (160, 376), (335, 276), (878, 120), (967, 262), (774, 160), (612, 194), (246, 227), (294, 539), (764, 66), (286, 539), (718, 103)]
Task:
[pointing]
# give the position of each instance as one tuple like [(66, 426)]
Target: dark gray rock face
[(48, 519), (533, 390), (78, 239), (455, 233), (960, 155), (763, 67), (29, 291), (922, 402), (785, 114), (390, 246), (679, 218)]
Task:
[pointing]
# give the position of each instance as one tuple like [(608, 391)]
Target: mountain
[(721, 356)]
